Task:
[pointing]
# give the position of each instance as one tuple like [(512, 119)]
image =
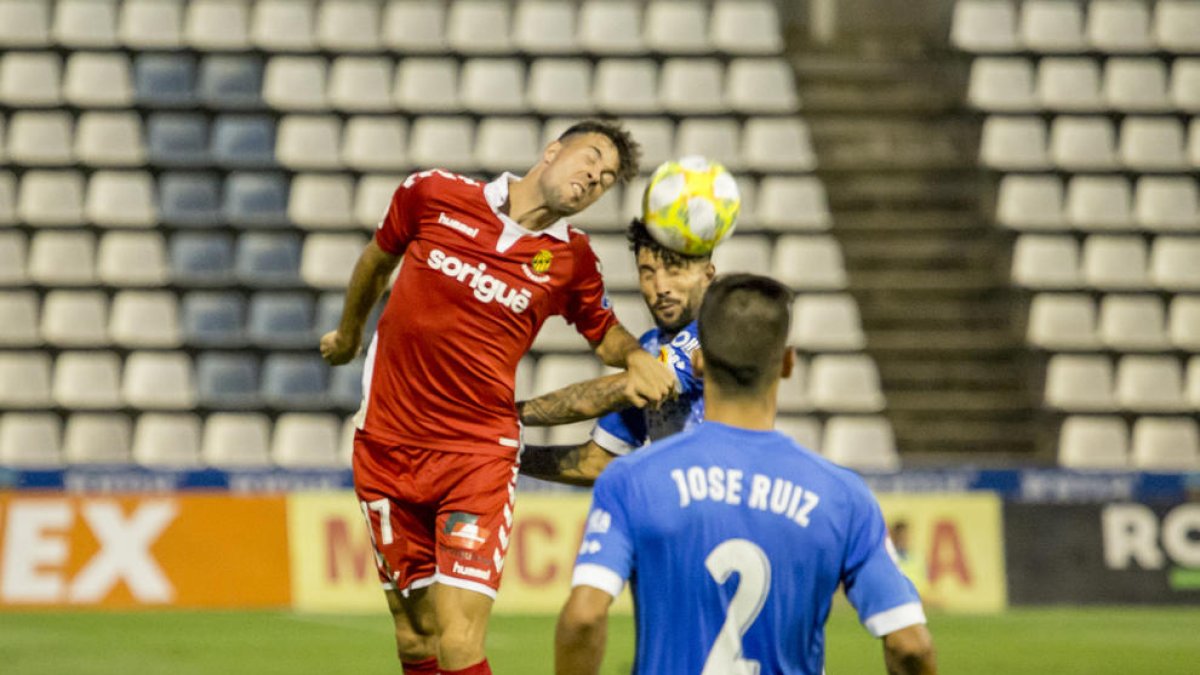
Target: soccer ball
[(691, 205)]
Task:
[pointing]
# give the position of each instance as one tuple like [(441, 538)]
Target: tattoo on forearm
[(551, 462), (580, 401)]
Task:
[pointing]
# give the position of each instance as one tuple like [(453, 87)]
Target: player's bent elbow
[(586, 610), (910, 651)]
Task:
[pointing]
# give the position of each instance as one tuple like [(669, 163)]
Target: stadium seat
[(132, 259), (328, 259), (415, 26), (1076, 383), (1003, 85), (1083, 144), (1115, 262), (611, 27), (1051, 26), (236, 440), (213, 320), (478, 27), (97, 438), (268, 260), (1014, 144), (24, 380), (443, 141), (158, 381), (321, 201), (1185, 84), (309, 142), (1167, 203), (373, 198), (63, 258), (145, 320), (1029, 203), (361, 84), (806, 431), (1152, 144), (231, 82), (864, 443), (1093, 443), (676, 27), (254, 199), (164, 80), (30, 440), (375, 144), (178, 140), (345, 450), (39, 139), (825, 323), (1150, 384), (1136, 85), (121, 199), (189, 199), (1069, 84), (227, 380), (8, 190), (281, 320), (18, 319), (746, 27), (744, 253), (81, 24), (761, 86), (329, 313), (627, 86), (1175, 263), (747, 217), (295, 84), (282, 26), (294, 382), (604, 215), (1099, 203), (982, 26), (306, 441), (201, 259), (692, 86), (493, 86), (427, 85), (561, 86), (13, 267), (75, 319), (544, 27), (243, 142), (98, 80), (30, 79), (1166, 444), (1177, 25), (151, 24), (792, 396), (1184, 325), (167, 440), (508, 144), (556, 335), (557, 371), (1193, 148), (51, 199), (345, 385), (845, 383), (217, 25), (620, 268), (631, 202), (1131, 323), (1193, 381), (1062, 322), (348, 26), (715, 138), (632, 311), (809, 263), (1046, 262), (24, 23), (777, 144), (1119, 26), (87, 380)]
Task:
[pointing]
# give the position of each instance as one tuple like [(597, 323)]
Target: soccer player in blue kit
[(733, 537)]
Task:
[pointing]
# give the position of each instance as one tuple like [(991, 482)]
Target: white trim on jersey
[(496, 194), (892, 620), (610, 442), (360, 417), (465, 584), (597, 576)]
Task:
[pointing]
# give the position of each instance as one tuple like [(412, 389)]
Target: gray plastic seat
[(165, 80), (281, 320), (294, 381), (201, 259), (189, 199), (231, 82), (268, 259), (178, 140), (255, 199), (213, 320), (228, 380), (243, 142)]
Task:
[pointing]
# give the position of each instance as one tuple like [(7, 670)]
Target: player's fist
[(338, 348), (650, 381)]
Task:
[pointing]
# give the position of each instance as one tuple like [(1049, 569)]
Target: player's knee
[(412, 646), (461, 645)]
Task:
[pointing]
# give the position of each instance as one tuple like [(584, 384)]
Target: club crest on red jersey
[(536, 269)]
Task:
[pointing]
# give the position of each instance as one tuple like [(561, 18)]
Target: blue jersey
[(625, 430), (734, 542)]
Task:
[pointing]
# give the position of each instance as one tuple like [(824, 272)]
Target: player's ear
[(789, 362), (698, 362), (552, 151), (710, 271)]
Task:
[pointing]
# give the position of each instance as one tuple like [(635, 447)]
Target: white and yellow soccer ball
[(691, 205)]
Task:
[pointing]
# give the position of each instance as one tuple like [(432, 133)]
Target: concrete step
[(916, 190), (942, 342), (856, 221), (902, 373), (978, 405)]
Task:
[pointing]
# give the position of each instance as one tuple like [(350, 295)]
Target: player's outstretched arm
[(909, 651), (571, 464), (582, 631), (576, 402), (650, 380), (367, 283)]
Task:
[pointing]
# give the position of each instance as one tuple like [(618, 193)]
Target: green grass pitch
[(1066, 641)]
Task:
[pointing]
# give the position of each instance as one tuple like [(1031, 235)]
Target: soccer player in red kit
[(436, 450)]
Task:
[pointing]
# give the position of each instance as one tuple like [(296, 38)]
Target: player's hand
[(338, 348), (650, 381)]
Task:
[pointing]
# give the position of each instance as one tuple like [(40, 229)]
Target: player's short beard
[(687, 314)]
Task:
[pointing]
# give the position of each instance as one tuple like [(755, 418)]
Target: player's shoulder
[(440, 179)]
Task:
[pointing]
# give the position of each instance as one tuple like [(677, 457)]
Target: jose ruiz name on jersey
[(725, 486)]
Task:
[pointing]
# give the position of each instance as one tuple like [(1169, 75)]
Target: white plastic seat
[(1133, 323), (30, 79), (85, 23), (1175, 263), (792, 203), (545, 27), (24, 23), (236, 440), (217, 25), (1051, 26), (121, 199), (479, 27), (321, 201), (561, 86), (491, 86), (777, 145), (557, 335), (427, 85), (604, 214), (151, 24), (1152, 144), (1062, 322), (1031, 202), (97, 438), (1013, 143), (309, 142), (415, 26), (1083, 144), (51, 198), (1136, 85), (375, 143), (984, 26), (1001, 85), (167, 440), (692, 86), (1185, 84), (657, 138), (608, 27), (443, 141), (1166, 444), (295, 83), (25, 380), (806, 431), (1193, 381), (40, 139), (328, 259), (823, 323), (87, 380), (676, 27), (305, 441), (145, 319), (1069, 84), (557, 371), (1086, 442), (75, 319), (8, 189), (507, 144), (792, 396), (1177, 25), (620, 267), (866, 443), (1167, 203), (811, 263), (845, 383), (132, 259), (13, 258), (1150, 384), (158, 381), (98, 80), (30, 440), (1184, 326), (1193, 148), (345, 450), (361, 84), (63, 258), (715, 139), (761, 86), (627, 86), (742, 254), (1119, 26), (19, 319), (632, 311), (749, 27), (373, 197), (1079, 383), (1112, 262), (348, 26), (282, 26), (1099, 203)]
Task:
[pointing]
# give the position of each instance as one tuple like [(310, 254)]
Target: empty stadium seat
[(309, 142), (744, 253), (1069, 84), (18, 319), (777, 144), (1150, 384), (812, 263), (51, 199), (231, 82), (492, 86), (1078, 383), (306, 441), (213, 320), (845, 383), (1133, 323), (761, 86), (479, 27), (165, 80), (1175, 263), (167, 440), (557, 371), (236, 440), (177, 140), (1166, 444), (609, 27), (145, 319), (427, 85), (30, 79), (282, 26), (545, 27), (85, 23), (561, 86), (361, 84), (30, 440), (75, 319), (604, 215), (443, 141), (1184, 325), (1051, 26), (345, 385), (1002, 85), (24, 23), (822, 323), (254, 199), (983, 26), (268, 259), (1152, 144), (328, 259), (627, 86), (1013, 144), (201, 259), (63, 258), (415, 26), (749, 27), (805, 431), (1083, 144), (109, 139), (1046, 262), (329, 312), (1099, 203), (713, 138), (281, 320), (1177, 25), (40, 139), (189, 199), (98, 80), (294, 381), (865, 443), (151, 24), (1115, 262), (25, 380), (620, 268), (1136, 85), (348, 26), (132, 259), (373, 198), (1166, 203), (97, 438), (1093, 443), (295, 84), (87, 380), (1118, 26), (217, 25), (228, 380), (676, 27), (1185, 84), (508, 144), (792, 396), (1062, 322), (121, 199), (633, 313), (321, 201), (1031, 203), (692, 86), (243, 142), (158, 381), (13, 268)]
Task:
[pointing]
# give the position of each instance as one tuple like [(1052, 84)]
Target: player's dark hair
[(628, 150), (744, 323), (639, 238)]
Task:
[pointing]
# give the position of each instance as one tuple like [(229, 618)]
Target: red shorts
[(435, 516)]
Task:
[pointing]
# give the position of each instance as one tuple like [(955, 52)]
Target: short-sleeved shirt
[(721, 524), (625, 430), (473, 290)]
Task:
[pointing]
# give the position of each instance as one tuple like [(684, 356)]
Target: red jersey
[(473, 291)]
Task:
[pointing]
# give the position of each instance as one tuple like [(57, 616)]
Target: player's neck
[(756, 413), (526, 206)]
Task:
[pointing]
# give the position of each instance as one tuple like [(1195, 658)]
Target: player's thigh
[(462, 615), (413, 613), (474, 522)]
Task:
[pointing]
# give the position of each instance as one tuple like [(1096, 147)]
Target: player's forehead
[(652, 259), (597, 144)]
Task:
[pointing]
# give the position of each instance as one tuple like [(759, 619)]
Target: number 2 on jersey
[(753, 568)]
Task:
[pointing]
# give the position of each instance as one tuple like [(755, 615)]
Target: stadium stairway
[(897, 156)]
